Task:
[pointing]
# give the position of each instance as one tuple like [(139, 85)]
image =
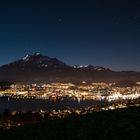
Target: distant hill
[(37, 68), (126, 83)]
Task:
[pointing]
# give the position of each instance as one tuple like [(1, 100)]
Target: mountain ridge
[(39, 68)]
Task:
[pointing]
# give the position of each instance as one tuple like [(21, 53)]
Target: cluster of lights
[(94, 91)]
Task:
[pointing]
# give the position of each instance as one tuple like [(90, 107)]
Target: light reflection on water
[(26, 105)]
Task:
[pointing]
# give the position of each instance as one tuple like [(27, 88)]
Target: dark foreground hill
[(38, 68), (120, 124)]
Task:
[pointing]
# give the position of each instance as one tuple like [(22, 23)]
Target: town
[(108, 97), (83, 91)]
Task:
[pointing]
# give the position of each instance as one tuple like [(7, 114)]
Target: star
[(60, 19)]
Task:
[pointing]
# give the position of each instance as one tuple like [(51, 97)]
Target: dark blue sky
[(98, 32)]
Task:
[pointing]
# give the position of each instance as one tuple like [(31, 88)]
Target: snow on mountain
[(90, 67), (26, 58), (80, 66), (40, 60)]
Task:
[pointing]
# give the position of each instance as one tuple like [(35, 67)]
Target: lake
[(26, 105)]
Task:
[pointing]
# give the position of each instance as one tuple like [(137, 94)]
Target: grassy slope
[(119, 124)]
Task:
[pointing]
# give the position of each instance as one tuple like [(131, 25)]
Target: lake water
[(26, 105)]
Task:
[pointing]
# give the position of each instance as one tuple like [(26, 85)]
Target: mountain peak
[(26, 58), (37, 60), (91, 67)]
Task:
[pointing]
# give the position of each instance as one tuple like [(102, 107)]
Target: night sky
[(99, 32)]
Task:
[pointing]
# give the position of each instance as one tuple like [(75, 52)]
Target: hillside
[(118, 124), (126, 83)]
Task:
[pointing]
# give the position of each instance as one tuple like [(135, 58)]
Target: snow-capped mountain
[(39, 68), (91, 67), (36, 60)]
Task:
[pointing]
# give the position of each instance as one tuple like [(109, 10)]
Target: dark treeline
[(5, 85), (116, 124)]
